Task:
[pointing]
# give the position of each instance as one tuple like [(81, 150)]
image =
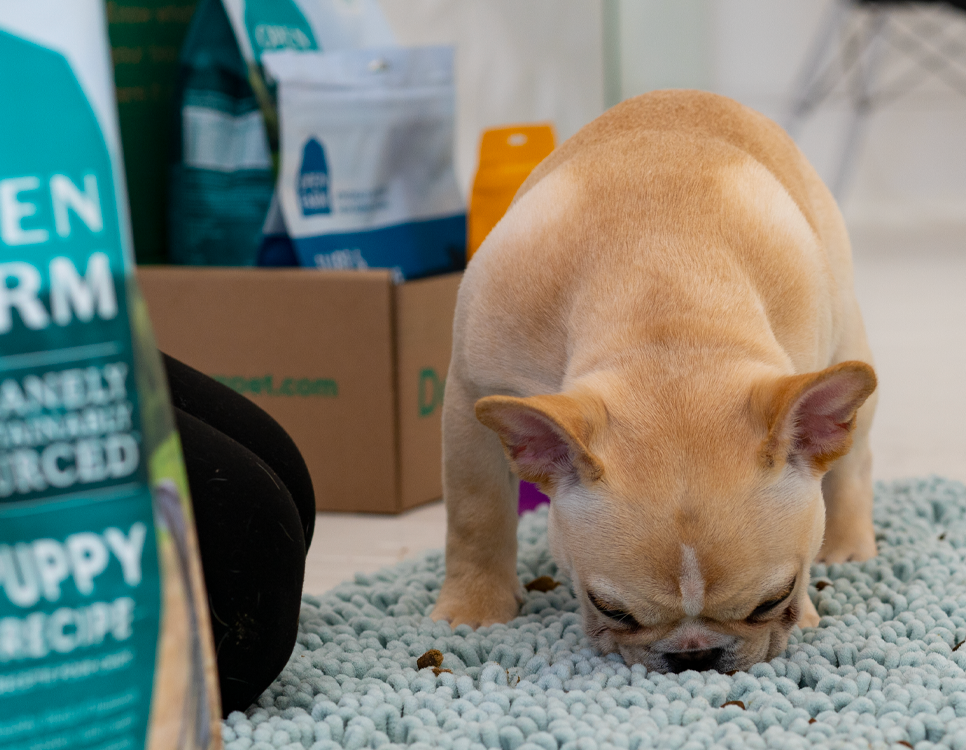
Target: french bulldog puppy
[(662, 334)]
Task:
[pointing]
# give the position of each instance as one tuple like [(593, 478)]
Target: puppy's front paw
[(809, 617), (848, 543), (477, 603)]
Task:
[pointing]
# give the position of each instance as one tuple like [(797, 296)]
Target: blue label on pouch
[(412, 250), (313, 180)]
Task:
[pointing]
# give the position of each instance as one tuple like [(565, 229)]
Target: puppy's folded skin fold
[(662, 334)]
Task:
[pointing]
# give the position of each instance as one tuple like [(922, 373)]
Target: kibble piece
[(432, 658), (739, 704), (542, 584)]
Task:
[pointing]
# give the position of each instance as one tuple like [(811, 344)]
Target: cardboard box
[(350, 364)]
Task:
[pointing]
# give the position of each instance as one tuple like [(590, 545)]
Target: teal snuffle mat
[(884, 669)]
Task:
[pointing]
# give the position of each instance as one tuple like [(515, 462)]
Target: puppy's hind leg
[(847, 488), (481, 494)]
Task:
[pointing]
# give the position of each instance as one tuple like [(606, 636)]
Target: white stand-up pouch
[(366, 178)]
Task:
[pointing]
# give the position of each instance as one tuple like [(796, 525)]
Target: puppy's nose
[(699, 661)]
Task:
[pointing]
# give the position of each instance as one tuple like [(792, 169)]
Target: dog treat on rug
[(879, 670), (432, 658), (542, 584)]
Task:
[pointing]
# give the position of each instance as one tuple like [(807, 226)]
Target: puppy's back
[(702, 116)]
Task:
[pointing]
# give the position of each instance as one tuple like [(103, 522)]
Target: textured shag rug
[(884, 669)]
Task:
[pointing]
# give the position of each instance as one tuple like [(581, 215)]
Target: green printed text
[(267, 385)]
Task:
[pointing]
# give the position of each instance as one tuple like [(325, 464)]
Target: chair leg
[(863, 81), (808, 93)]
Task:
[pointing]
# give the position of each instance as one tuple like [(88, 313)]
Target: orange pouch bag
[(507, 157)]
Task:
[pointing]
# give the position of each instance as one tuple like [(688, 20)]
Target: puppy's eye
[(620, 616), (765, 607)]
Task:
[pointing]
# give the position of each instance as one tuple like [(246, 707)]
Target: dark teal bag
[(221, 178)]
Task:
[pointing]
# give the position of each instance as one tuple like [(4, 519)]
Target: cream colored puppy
[(663, 335)]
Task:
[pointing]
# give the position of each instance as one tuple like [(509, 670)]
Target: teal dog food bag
[(366, 178), (104, 637), (223, 170)]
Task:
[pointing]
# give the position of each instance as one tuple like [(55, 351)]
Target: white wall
[(664, 44), (516, 61)]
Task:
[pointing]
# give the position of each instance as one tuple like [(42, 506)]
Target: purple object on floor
[(530, 497)]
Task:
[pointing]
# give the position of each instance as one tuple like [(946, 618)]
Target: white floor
[(912, 288), (913, 294)]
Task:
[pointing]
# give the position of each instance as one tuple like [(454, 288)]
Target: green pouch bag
[(104, 635)]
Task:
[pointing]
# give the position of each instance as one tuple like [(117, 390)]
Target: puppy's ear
[(546, 437), (810, 417)]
